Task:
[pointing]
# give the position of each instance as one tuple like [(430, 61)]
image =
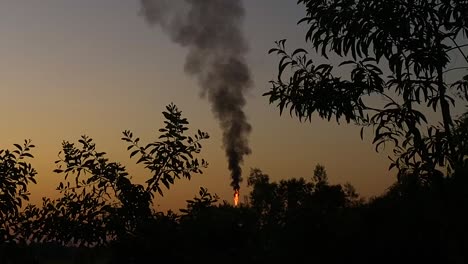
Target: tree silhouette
[(299, 218), (411, 42), (173, 156), (15, 175), (198, 204), (99, 203)]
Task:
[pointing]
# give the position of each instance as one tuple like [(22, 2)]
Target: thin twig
[(459, 49), (456, 68)]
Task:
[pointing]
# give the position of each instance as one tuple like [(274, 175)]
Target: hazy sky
[(91, 67)]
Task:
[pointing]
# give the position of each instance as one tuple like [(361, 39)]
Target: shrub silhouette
[(15, 175), (98, 202)]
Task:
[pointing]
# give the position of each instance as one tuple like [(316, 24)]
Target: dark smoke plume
[(211, 30)]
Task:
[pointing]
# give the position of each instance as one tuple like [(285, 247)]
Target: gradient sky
[(91, 67)]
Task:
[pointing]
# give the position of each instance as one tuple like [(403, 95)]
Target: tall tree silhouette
[(410, 41)]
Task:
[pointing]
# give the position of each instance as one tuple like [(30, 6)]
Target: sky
[(70, 68)]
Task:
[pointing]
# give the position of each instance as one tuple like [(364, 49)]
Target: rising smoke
[(211, 30)]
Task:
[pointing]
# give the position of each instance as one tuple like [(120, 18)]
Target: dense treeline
[(290, 220), (102, 217)]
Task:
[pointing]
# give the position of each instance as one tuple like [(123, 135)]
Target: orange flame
[(236, 197)]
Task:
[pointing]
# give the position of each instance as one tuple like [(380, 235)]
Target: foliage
[(197, 204), (320, 176), (15, 175), (98, 202), (279, 203), (413, 42), (287, 221), (173, 156), (263, 195), (298, 215), (460, 135)]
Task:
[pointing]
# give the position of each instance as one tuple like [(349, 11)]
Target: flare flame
[(236, 197)]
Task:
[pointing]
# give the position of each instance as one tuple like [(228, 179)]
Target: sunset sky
[(91, 67)]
